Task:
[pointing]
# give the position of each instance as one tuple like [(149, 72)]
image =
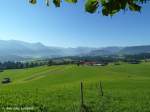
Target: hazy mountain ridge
[(135, 50), (19, 50), (105, 51), (24, 49)]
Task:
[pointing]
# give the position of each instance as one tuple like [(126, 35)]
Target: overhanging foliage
[(108, 7)]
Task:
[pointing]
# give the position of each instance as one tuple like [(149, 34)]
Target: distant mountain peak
[(21, 49)]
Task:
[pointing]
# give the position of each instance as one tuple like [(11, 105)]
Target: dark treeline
[(142, 56), (19, 65), (107, 59), (59, 61), (101, 59)]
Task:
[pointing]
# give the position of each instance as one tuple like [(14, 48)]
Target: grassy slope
[(56, 88)]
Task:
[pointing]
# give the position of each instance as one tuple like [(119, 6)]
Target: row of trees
[(142, 56), (59, 61), (19, 65), (100, 59)]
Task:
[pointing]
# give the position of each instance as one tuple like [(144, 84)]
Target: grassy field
[(57, 88)]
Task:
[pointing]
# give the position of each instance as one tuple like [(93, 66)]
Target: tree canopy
[(107, 7)]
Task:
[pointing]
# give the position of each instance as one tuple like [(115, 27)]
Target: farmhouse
[(92, 63)]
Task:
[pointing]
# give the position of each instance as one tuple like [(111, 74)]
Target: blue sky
[(71, 26)]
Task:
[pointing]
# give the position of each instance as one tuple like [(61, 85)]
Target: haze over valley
[(15, 50)]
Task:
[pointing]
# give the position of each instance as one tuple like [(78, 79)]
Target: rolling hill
[(57, 88)]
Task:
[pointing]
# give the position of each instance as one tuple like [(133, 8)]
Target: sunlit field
[(126, 88)]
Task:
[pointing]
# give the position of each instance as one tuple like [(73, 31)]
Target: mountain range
[(18, 50)]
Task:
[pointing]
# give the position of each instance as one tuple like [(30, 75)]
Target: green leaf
[(134, 7), (91, 6), (105, 12), (123, 4), (71, 1), (57, 3), (102, 2), (33, 1)]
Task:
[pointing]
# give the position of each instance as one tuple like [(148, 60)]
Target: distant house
[(80, 63), (89, 63), (100, 64), (92, 63), (6, 80), (134, 62)]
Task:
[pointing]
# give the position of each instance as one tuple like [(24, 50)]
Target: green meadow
[(126, 88)]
